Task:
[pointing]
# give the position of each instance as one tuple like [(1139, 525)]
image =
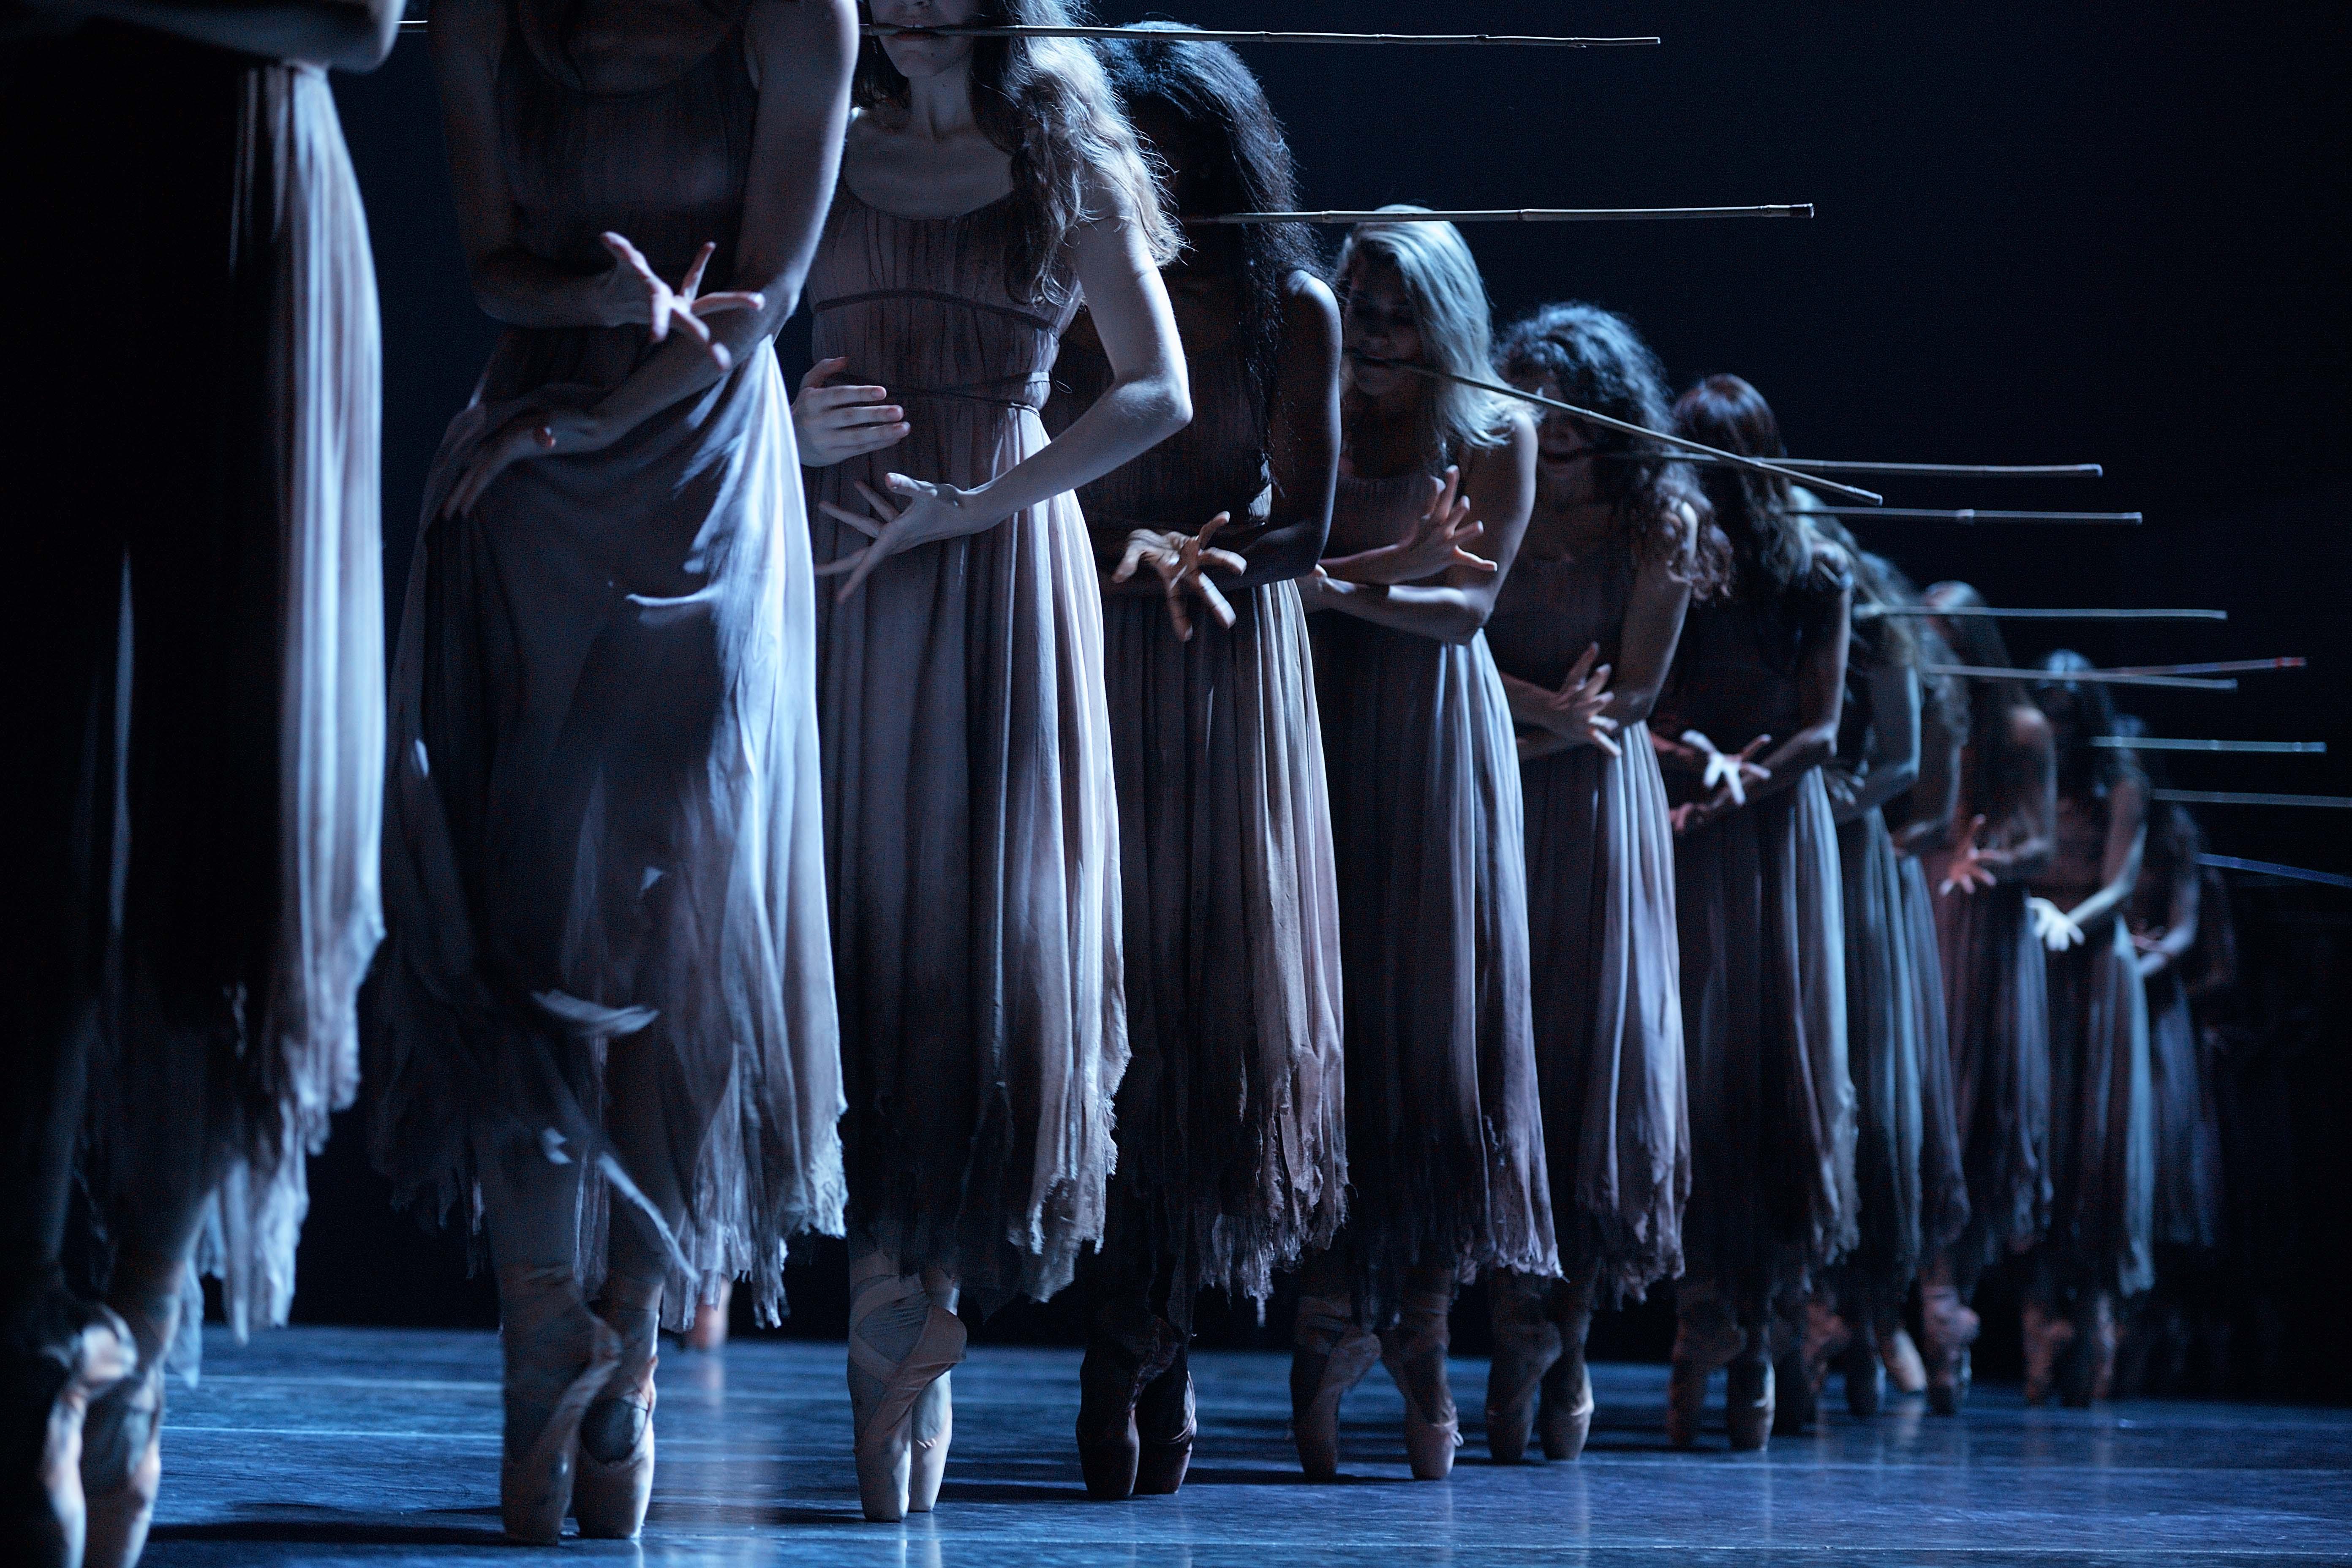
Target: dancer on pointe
[(1757, 909), (1444, 1129), (1906, 1160), (970, 808), (607, 1004), (1583, 632), (193, 685), (1231, 1119), (1996, 990), (2099, 1250)]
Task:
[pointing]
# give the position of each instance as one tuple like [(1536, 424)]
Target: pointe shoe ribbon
[(609, 1497), (885, 1414), (123, 1454), (1334, 1351), (535, 1487), (1414, 1353)]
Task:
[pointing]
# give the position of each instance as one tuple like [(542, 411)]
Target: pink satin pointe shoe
[(558, 1357), (614, 1483), (1527, 1346), (1706, 1337), (1906, 1372), (1127, 1352), (122, 1438), (59, 1353), (885, 1392), (1334, 1352), (709, 1329), (1414, 1353), (2047, 1335), (1948, 1328), (1165, 1424)]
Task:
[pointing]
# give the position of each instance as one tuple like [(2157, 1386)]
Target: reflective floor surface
[(327, 1445)]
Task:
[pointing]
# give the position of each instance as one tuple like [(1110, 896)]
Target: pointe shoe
[(1165, 1424), (1121, 1363), (2046, 1334), (559, 1356), (1334, 1352), (1864, 1371), (1564, 1420), (709, 1329), (1706, 1337), (1527, 1346), (615, 1478), (1414, 1353), (1949, 1328), (122, 1438), (933, 1426), (1906, 1373), (60, 1353), (885, 1393), (1820, 1336), (1748, 1399), (2094, 1382)]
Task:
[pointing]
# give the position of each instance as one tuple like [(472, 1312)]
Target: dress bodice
[(1736, 671), (2082, 846), (1216, 463), (1550, 609), (1369, 513)]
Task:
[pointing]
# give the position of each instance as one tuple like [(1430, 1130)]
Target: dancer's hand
[(1730, 774), (932, 512), (536, 432), (1574, 713), (831, 423), (1972, 865), (1183, 561), (2053, 925), (642, 294), (1442, 537)]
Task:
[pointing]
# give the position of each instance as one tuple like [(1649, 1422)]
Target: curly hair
[(1598, 362), (1045, 102)]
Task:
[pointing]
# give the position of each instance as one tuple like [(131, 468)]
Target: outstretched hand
[(1972, 865), (1442, 537), (1183, 561), (685, 306), (831, 423), (932, 512), (1576, 711), (2053, 925)]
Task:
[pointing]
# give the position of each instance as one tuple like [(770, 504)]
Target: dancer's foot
[(2047, 1334), (1126, 1353), (1906, 1372), (1706, 1337), (1526, 1346), (1334, 1351), (558, 1357), (1864, 1371), (1564, 1420), (615, 1480), (1817, 1336), (57, 1353), (1948, 1328), (1414, 1353), (122, 1440), (900, 1342), (2094, 1378), (709, 1329), (1165, 1427), (933, 1426), (1748, 1396)]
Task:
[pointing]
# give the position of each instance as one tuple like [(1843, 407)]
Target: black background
[(2045, 233)]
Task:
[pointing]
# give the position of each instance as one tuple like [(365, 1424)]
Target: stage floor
[(370, 1447)]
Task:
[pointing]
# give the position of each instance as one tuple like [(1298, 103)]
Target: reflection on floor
[(342, 1446)]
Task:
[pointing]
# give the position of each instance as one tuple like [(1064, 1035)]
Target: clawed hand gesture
[(932, 512), (1728, 773), (1183, 561), (1972, 866), (2053, 925), (685, 306), (1576, 711), (831, 423), (1443, 537)]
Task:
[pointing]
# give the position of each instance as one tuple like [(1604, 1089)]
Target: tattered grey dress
[(1604, 967), (971, 813), (604, 822), (1759, 913), (1446, 1155), (2189, 1193), (1232, 1132)]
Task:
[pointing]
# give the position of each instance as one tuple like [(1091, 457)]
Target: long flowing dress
[(1997, 1031), (193, 682), (1446, 1155), (1605, 990), (971, 813), (1231, 1120), (1758, 917), (2102, 1098), (2189, 1193), (605, 829)]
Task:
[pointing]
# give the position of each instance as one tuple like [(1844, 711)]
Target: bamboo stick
[(2272, 869), (1870, 612), (2213, 667), (1238, 35), (2149, 743), (1978, 514), (1930, 470), (1514, 215), (2248, 798), (2103, 677)]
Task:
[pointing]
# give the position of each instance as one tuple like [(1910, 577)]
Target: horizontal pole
[(2272, 869), (2103, 677), (2211, 666), (1870, 612), (1241, 36), (2151, 743), (2245, 798), (1924, 470), (1515, 215), (1978, 515)]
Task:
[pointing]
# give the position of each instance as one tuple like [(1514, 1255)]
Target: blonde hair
[(1457, 329)]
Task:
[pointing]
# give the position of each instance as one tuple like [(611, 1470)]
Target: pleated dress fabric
[(1446, 1155), (1997, 1031), (1758, 913), (2102, 1126), (1943, 1175), (195, 692), (1231, 1117), (604, 816), (972, 810), (1604, 966), (2189, 1194)]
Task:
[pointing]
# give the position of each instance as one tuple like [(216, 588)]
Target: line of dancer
[(1119, 784)]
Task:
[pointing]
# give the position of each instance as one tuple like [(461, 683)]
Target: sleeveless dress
[(2102, 1098), (2188, 1193), (193, 686), (604, 823), (1606, 989), (1445, 1153), (1997, 1031), (1943, 1176), (1230, 1127), (972, 812), (1758, 913)]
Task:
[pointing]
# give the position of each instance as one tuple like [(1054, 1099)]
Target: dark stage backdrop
[(2046, 233)]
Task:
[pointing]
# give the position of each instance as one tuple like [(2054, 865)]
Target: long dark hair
[(1754, 511), (1045, 102), (1236, 160), (2086, 771), (1598, 362), (1989, 699)]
